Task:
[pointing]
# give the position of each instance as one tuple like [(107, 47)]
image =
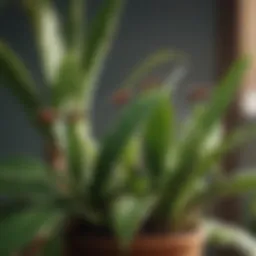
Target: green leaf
[(76, 152), (54, 246), (223, 95), (99, 44), (153, 61), (222, 234), (116, 141), (9, 206), (231, 142), (128, 215), (210, 117), (211, 156), (70, 76), (18, 229), (67, 86), (158, 138), (80, 151), (131, 157), (49, 39), (23, 168), (75, 26), (24, 177), (241, 183), (19, 80)]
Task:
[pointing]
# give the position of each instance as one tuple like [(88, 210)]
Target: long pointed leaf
[(128, 215), (18, 79), (23, 168), (241, 183), (47, 29), (221, 234), (158, 136), (131, 157), (76, 152), (205, 165), (222, 97), (75, 28), (24, 178), (54, 246), (17, 230), (67, 85), (153, 61), (117, 139), (99, 44)]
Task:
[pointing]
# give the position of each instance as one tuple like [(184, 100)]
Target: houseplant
[(142, 180)]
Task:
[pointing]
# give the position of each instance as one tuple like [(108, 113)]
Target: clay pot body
[(190, 244), (187, 244)]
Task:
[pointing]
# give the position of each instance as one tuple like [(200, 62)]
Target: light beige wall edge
[(247, 45)]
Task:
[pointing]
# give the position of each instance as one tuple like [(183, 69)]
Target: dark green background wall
[(146, 26)]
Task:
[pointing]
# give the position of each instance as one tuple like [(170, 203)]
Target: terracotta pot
[(190, 244)]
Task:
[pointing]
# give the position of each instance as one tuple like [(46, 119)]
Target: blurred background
[(146, 27), (212, 32)]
